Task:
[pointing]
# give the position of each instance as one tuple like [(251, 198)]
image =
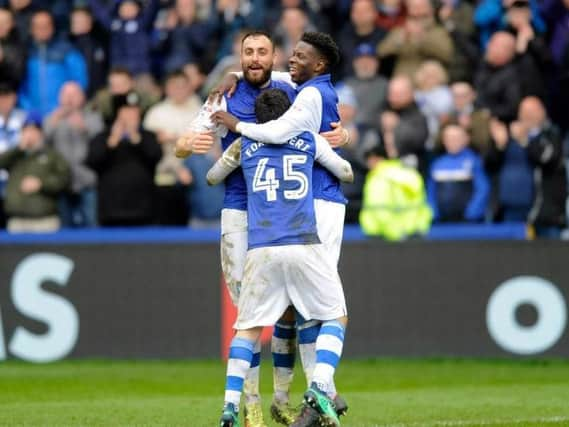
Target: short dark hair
[(8, 87), (325, 46), (6, 9), (257, 33), (43, 10), (82, 8), (271, 104), (118, 69)]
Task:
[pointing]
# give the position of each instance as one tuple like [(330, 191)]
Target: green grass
[(380, 393)]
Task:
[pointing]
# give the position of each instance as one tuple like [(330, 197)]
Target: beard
[(254, 78)]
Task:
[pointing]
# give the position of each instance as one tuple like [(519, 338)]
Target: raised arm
[(305, 114), (202, 133), (328, 158), (227, 163)]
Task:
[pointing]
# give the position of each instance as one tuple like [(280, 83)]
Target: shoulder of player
[(309, 92), (305, 142)]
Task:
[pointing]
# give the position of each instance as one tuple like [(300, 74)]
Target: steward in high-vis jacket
[(394, 200)]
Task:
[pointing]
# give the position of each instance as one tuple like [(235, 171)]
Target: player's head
[(271, 104), (315, 54), (257, 57)]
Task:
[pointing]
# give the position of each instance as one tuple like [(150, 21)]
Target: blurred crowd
[(458, 110)]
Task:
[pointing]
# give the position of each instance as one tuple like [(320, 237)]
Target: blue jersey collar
[(324, 78)]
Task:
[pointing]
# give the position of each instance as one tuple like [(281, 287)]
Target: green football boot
[(229, 417), (324, 405)]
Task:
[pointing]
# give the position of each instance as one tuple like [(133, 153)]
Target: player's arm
[(202, 132), (305, 114), (328, 158), (227, 163)]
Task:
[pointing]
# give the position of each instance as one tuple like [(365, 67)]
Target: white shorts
[(278, 276), (330, 225), (233, 247)]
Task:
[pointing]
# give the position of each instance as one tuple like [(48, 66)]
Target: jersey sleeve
[(203, 123), (328, 158), (227, 163), (305, 114)]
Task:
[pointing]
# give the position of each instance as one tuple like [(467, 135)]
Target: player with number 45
[(286, 263)]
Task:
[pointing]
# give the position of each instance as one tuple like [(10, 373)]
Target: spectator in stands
[(489, 17), (420, 39), (70, 129), (119, 82), (275, 11), (12, 50), (168, 120), (129, 25), (563, 72), (545, 152), (184, 38), (509, 161), (11, 122), (404, 129), (394, 202), (497, 81), (457, 187), (205, 201), (370, 89), (294, 22), (89, 43), (196, 76), (50, 64), (23, 11), (228, 63), (234, 16), (38, 174), (348, 108), (557, 14), (457, 18), (125, 158), (390, 14), (532, 54), (362, 28), (476, 121), (433, 96)]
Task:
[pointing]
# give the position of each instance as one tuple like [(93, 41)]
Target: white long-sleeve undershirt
[(231, 160), (305, 114)]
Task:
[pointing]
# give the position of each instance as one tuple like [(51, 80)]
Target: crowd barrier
[(159, 294)]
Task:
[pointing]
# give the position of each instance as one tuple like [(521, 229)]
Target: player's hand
[(338, 136), (194, 142), (225, 119), (228, 86)]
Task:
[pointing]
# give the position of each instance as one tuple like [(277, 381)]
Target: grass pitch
[(380, 393)]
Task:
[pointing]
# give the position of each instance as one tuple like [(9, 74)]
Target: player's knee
[(251, 334), (343, 320)]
